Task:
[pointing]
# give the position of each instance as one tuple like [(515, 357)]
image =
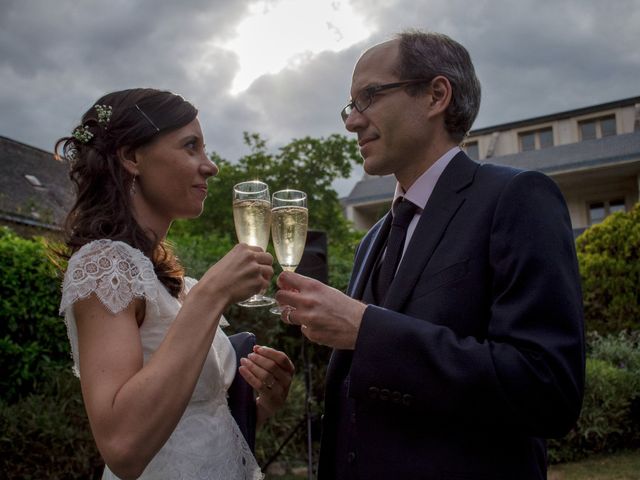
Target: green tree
[(609, 257), (308, 164)]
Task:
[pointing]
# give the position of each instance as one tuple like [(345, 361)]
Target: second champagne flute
[(289, 220), (252, 218)]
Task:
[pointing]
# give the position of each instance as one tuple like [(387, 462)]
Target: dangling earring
[(132, 190)]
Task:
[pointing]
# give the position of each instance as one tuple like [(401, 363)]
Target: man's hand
[(326, 316)]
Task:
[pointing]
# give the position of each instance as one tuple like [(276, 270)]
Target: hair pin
[(147, 117)]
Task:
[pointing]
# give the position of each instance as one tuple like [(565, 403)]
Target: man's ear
[(127, 157), (441, 93)]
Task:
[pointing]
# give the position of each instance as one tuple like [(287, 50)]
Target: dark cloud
[(56, 58), (533, 57)]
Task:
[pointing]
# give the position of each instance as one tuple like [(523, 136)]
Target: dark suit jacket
[(241, 400), (478, 352)]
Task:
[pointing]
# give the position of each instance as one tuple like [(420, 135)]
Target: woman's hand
[(241, 273), (270, 373)]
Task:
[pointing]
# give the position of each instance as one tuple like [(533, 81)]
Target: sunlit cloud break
[(264, 44)]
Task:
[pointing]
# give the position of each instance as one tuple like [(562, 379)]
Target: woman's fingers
[(266, 367), (278, 358)]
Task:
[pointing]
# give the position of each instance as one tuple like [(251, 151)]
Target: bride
[(146, 341)]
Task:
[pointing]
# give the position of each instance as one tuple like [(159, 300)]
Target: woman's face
[(171, 178)]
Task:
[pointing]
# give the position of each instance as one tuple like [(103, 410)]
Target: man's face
[(393, 133)]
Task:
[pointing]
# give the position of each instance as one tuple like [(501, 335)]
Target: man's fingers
[(287, 298), (294, 281)]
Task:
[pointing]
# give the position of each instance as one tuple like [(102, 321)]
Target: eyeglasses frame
[(375, 89)]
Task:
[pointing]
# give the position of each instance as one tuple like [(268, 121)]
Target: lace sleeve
[(116, 272)]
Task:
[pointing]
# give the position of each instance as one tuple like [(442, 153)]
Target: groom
[(460, 345)]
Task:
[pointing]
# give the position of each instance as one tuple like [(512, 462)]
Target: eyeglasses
[(365, 97)]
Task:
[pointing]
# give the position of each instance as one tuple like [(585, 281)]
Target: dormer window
[(33, 180)]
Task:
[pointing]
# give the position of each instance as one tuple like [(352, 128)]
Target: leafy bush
[(198, 252), (610, 417), (33, 337), (46, 434), (609, 257)]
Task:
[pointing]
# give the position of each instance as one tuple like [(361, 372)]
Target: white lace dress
[(207, 443)]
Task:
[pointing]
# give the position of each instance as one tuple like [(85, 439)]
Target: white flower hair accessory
[(104, 114), (82, 134)]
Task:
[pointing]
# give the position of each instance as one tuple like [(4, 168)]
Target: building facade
[(592, 153)]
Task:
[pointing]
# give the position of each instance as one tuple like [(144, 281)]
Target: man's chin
[(373, 168)]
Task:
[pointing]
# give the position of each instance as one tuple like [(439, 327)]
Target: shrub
[(609, 258), (198, 252), (33, 337), (46, 434), (610, 418)]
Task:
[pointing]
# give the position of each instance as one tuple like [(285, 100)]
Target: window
[(616, 206), (588, 130), (608, 126), (546, 138), (33, 180), (598, 211), (472, 150), (536, 139), (597, 127), (527, 141)]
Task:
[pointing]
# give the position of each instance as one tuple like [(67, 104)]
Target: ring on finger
[(288, 311)]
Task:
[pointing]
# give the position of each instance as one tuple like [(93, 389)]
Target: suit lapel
[(364, 265), (366, 256), (446, 199)]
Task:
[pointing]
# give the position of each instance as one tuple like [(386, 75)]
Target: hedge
[(610, 416), (32, 336)]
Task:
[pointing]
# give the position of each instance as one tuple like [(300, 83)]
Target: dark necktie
[(403, 212)]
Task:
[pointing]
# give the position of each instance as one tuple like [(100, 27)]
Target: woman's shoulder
[(104, 255), (107, 247), (112, 269)]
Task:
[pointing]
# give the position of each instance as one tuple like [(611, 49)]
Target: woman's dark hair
[(103, 206)]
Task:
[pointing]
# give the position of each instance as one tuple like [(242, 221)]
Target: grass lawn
[(620, 466)]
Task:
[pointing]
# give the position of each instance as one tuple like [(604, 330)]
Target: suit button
[(384, 394), (407, 399), (373, 392), (351, 457), (396, 397)]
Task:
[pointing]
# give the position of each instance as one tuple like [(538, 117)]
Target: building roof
[(573, 156), (562, 158), (556, 116), (34, 188)]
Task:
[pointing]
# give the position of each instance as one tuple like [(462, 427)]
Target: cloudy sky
[(282, 68)]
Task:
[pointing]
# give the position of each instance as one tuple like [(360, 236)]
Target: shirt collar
[(422, 188)]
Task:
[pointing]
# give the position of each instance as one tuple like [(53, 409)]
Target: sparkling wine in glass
[(252, 218), (289, 220)]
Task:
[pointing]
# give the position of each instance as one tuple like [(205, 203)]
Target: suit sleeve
[(528, 373)]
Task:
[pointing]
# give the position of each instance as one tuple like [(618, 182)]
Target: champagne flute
[(252, 218), (289, 220)]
